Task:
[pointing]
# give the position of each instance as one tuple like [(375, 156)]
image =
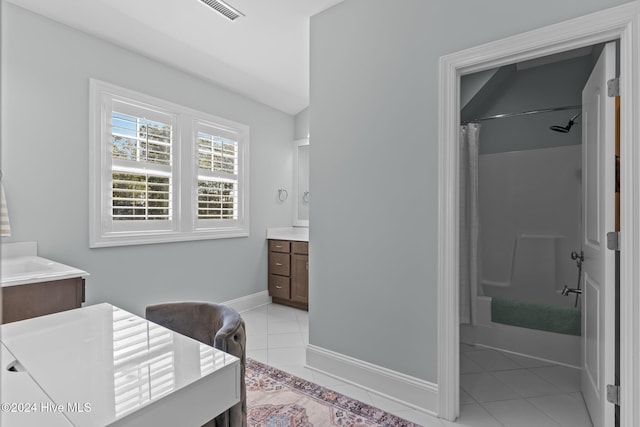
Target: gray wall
[(46, 68), (472, 84), (374, 109), (552, 85)]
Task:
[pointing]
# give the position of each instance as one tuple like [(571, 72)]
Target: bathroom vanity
[(289, 266), (33, 286), (289, 246)]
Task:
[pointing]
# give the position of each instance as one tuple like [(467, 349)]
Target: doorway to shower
[(523, 211), (617, 23)]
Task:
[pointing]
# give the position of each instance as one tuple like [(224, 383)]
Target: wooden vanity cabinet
[(21, 302), (289, 273)]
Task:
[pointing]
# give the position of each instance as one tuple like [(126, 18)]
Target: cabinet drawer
[(300, 248), (279, 286), (279, 246), (279, 263)]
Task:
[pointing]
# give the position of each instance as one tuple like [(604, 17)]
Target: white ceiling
[(264, 55)]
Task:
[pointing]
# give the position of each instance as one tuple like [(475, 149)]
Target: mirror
[(301, 183)]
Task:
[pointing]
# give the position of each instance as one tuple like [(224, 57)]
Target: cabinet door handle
[(279, 246), (278, 287), (279, 264), (307, 265)]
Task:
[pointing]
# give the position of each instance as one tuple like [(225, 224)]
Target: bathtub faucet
[(566, 291)]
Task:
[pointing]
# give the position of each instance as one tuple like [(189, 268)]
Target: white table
[(100, 365)]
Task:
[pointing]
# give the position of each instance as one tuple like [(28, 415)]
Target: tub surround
[(538, 267), (530, 223)]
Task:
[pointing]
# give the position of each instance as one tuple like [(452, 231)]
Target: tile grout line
[(529, 400)]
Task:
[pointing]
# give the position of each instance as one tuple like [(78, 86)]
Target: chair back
[(216, 325)]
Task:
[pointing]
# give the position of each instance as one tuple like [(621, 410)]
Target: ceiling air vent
[(223, 9)]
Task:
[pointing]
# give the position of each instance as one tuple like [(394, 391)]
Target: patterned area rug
[(278, 399)]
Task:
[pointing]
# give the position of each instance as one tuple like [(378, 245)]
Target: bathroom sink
[(29, 269), (24, 266)]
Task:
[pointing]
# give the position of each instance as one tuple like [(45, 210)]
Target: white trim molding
[(619, 23), (410, 391), (180, 173), (249, 302)]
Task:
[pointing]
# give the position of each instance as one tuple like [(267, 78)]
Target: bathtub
[(529, 226), (539, 267), (548, 346)]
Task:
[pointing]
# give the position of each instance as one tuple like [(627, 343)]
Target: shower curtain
[(469, 221)]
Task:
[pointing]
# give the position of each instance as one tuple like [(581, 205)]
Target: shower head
[(567, 128)]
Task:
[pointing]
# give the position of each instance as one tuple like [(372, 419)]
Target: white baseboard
[(405, 389), (249, 302)]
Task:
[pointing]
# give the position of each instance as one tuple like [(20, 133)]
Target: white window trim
[(185, 225), (202, 123)]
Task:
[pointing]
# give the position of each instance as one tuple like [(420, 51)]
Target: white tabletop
[(23, 402), (104, 366)]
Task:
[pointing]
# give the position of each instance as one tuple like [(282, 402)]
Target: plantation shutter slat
[(217, 160), (141, 151)]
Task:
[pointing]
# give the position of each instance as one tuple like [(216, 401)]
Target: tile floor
[(497, 389), (502, 389)]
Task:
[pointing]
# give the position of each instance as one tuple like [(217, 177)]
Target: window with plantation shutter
[(162, 172), (217, 158), (141, 156)]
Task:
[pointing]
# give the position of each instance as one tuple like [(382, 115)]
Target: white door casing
[(623, 23), (598, 283)]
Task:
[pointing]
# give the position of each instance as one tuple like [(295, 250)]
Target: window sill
[(128, 239)]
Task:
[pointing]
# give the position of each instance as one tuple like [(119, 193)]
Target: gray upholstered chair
[(216, 325)]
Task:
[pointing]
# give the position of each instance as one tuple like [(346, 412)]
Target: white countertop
[(289, 233), (20, 265), (31, 269), (106, 366)]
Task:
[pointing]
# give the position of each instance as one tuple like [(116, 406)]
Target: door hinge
[(613, 394), (613, 241), (613, 87)]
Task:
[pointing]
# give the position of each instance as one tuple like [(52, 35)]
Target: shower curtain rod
[(523, 113)]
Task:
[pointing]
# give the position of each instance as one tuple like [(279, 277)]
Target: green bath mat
[(533, 315)]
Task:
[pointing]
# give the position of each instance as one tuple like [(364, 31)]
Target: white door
[(598, 178)]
